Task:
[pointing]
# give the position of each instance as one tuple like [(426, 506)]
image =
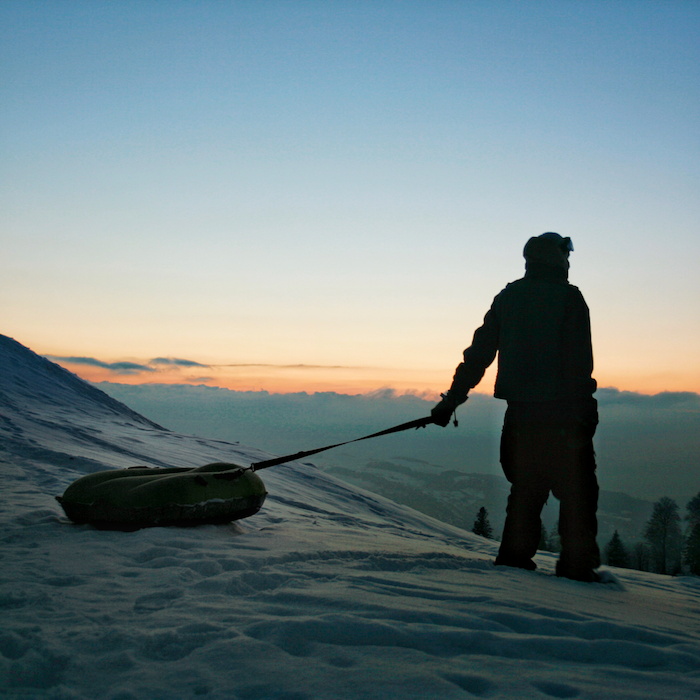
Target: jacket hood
[(548, 249)]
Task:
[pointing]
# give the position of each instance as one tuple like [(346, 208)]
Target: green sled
[(129, 499)]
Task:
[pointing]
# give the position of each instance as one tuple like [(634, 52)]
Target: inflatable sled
[(129, 499)]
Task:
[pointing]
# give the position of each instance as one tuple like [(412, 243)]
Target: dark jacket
[(540, 327)]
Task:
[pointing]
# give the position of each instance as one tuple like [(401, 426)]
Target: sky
[(326, 196)]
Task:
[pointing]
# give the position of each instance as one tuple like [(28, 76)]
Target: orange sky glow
[(351, 380)]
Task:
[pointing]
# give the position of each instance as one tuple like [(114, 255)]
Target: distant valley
[(455, 497)]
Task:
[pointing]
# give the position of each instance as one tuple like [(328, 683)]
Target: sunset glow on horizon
[(328, 196), (342, 380)]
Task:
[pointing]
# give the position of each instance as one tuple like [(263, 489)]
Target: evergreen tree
[(663, 533), (615, 552), (691, 553), (482, 526), (640, 558), (693, 508), (554, 540)]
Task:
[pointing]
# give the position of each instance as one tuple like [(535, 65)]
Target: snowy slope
[(329, 592)]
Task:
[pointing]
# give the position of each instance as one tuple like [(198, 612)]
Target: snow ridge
[(30, 383)]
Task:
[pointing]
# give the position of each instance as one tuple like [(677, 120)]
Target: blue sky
[(345, 184)]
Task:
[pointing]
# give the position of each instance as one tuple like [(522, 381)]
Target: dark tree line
[(691, 552), (663, 550)]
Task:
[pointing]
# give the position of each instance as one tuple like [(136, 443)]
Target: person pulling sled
[(540, 328)]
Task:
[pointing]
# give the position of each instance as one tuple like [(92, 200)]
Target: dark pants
[(548, 447)]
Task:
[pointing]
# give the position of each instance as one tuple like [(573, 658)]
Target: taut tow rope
[(419, 423)]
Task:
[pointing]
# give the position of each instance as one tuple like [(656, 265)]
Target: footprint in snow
[(156, 601), (557, 690), (474, 685)]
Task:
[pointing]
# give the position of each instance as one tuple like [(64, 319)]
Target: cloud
[(663, 401), (130, 367), (175, 362), (162, 364), (297, 366), (116, 367)]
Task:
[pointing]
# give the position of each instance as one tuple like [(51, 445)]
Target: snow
[(330, 592)]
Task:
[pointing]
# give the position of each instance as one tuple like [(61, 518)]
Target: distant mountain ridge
[(455, 497)]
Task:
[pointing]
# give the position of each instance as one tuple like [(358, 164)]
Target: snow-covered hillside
[(329, 592)]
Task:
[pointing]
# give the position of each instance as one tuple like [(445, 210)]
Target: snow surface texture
[(329, 592)]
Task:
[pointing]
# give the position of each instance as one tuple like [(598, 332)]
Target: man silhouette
[(539, 326)]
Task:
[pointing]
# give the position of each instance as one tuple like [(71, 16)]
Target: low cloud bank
[(116, 367), (175, 362), (647, 446), (126, 367)]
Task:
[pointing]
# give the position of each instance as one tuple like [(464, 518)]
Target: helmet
[(550, 249)]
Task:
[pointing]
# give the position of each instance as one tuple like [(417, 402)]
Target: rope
[(419, 423)]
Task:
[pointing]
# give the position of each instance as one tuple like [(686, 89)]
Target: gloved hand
[(443, 411)]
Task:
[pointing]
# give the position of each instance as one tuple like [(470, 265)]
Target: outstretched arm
[(477, 357)]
